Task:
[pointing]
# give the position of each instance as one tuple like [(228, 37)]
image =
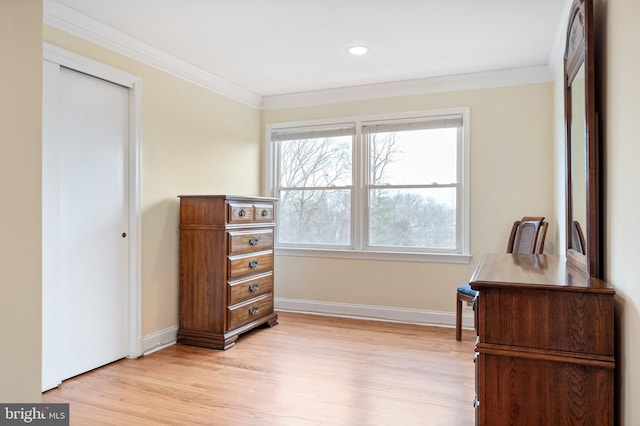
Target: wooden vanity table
[(545, 323), (545, 348)]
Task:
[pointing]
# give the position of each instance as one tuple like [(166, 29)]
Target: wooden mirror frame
[(579, 51)]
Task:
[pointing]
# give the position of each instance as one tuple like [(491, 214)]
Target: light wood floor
[(308, 370)]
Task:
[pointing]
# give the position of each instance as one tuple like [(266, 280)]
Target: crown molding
[(71, 21), (480, 80), (556, 56)]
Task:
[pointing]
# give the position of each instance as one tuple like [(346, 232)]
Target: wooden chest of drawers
[(545, 348), (226, 268)]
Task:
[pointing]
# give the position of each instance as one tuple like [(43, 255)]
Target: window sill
[(375, 255)]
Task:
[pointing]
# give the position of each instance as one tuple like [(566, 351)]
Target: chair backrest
[(528, 235), (577, 236)]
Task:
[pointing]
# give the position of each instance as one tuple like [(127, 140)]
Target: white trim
[(134, 83), (480, 80), (73, 22), (135, 217), (374, 255), (52, 355), (159, 340), (381, 313), (556, 55), (87, 66), (465, 231)]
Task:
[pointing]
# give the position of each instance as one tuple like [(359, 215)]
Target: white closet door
[(89, 135)]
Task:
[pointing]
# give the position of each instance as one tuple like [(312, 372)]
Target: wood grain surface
[(309, 370)]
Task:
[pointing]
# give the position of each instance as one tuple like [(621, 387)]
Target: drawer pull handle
[(254, 287), (253, 310), (254, 241), (264, 213), (242, 213), (253, 264)]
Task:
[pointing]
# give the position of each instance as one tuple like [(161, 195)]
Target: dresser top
[(534, 271), (231, 197)]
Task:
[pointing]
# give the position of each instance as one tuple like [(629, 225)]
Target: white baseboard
[(167, 337), (159, 340), (382, 313)]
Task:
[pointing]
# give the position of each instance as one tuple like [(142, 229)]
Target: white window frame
[(358, 249)]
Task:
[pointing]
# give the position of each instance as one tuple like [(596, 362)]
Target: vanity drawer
[(242, 290), (248, 241), (244, 265), (244, 313)]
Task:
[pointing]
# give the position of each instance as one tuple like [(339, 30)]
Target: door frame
[(105, 72)]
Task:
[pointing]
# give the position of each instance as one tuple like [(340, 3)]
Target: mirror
[(582, 213), (578, 168)]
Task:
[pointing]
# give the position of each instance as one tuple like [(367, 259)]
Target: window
[(375, 187)]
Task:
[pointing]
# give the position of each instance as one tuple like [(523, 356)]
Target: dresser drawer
[(248, 241), (242, 290), (244, 313), (249, 213), (263, 212), (244, 265), (240, 212)]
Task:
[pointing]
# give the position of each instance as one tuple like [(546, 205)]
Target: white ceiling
[(279, 47)]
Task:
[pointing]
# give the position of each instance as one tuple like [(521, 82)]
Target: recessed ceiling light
[(357, 50)]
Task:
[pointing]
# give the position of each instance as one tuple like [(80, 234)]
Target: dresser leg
[(273, 322)]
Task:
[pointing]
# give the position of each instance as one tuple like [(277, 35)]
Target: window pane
[(315, 162), (316, 217), (414, 157), (420, 218)]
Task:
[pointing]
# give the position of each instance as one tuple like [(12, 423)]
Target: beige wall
[(511, 177), (619, 68), (21, 214), (193, 142)]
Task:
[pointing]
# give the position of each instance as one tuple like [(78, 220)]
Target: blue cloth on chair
[(466, 289)]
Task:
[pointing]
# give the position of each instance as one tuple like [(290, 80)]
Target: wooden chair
[(527, 236)]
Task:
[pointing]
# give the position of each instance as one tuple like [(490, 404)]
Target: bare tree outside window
[(315, 195)]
